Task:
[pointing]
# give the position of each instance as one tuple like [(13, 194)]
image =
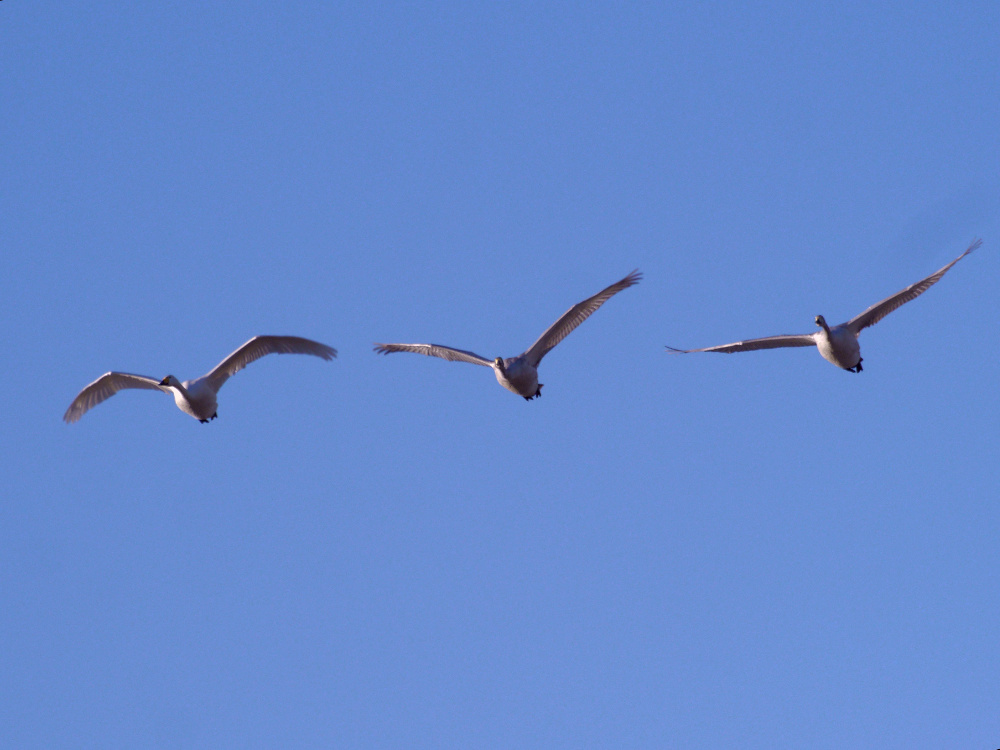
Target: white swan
[(839, 345), (520, 374), (195, 397)]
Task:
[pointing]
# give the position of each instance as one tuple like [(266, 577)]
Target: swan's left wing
[(768, 342), (876, 312), (260, 346), (574, 317), (435, 350)]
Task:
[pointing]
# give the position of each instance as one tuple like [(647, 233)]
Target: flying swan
[(839, 345), (520, 374), (195, 397)]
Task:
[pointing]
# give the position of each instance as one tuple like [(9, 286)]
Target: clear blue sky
[(756, 550)]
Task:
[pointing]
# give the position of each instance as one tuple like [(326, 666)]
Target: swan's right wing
[(769, 342), (573, 317), (876, 312), (435, 350), (104, 388), (261, 346)]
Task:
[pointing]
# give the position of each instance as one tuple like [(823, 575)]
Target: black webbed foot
[(536, 394)]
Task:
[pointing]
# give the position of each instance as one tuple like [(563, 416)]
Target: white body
[(518, 376), (839, 346), (195, 397)]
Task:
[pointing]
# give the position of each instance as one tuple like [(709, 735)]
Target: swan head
[(498, 363), (170, 381)]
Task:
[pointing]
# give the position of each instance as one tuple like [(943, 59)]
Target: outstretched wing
[(769, 342), (260, 346), (876, 312), (574, 317), (435, 350), (104, 388)]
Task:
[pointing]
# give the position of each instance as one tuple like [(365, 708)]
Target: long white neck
[(177, 387)]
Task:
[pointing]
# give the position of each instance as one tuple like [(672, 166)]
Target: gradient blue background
[(707, 551)]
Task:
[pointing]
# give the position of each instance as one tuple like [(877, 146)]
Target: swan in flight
[(520, 374), (195, 397), (839, 344)]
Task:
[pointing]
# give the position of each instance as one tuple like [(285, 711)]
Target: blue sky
[(663, 551)]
